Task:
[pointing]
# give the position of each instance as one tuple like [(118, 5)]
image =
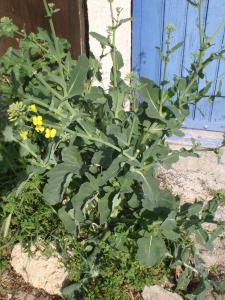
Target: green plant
[(28, 219), (98, 160)]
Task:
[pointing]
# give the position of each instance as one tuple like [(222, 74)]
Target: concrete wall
[(99, 19)]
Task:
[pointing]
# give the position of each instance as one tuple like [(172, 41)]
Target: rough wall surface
[(195, 177), (99, 20)]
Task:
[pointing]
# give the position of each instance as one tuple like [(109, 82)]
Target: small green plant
[(30, 217), (97, 160)]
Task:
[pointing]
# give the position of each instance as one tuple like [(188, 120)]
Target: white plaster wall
[(99, 20)]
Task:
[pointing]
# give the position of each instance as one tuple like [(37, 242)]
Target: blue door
[(149, 20)]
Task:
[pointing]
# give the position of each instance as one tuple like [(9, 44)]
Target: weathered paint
[(149, 21)]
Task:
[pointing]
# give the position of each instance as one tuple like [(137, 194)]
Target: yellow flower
[(23, 135), (37, 120), (32, 108), (50, 133), (39, 128)]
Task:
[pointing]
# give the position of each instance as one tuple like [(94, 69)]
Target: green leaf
[(54, 189), (151, 250), (160, 53), (150, 93), (153, 196), (183, 280), (101, 39), (119, 60), (78, 77), (4, 230), (103, 208), (133, 202), (177, 46), (8, 134), (122, 21), (67, 220), (169, 227), (71, 155)]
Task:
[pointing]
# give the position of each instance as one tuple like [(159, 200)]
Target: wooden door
[(149, 20), (30, 14)]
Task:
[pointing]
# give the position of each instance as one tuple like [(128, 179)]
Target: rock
[(156, 292), (194, 177), (41, 272)]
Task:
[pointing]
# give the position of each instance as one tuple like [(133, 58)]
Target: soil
[(13, 287)]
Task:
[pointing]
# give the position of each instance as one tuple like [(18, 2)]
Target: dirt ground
[(13, 287)]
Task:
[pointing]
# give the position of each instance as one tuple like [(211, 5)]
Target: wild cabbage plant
[(97, 158)]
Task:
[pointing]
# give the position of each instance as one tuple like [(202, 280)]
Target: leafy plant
[(98, 159)]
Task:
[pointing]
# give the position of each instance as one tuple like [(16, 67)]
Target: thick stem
[(113, 46)]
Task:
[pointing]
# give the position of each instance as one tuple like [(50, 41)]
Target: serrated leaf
[(151, 250), (78, 77)]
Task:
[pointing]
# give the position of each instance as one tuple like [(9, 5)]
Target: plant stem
[(55, 39), (88, 136), (113, 46)]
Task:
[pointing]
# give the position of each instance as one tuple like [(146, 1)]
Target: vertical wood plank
[(214, 18), (151, 36), (191, 44), (29, 14), (175, 13)]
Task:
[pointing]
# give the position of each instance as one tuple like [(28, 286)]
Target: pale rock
[(156, 292), (41, 272)]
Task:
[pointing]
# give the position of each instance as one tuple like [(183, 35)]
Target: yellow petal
[(39, 128), (32, 108), (53, 132), (23, 135), (39, 120), (47, 133), (35, 120)]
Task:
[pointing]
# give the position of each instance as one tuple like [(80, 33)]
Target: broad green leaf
[(67, 220), (78, 77), (153, 196), (112, 171), (151, 250), (150, 93), (118, 59), (104, 208), (133, 202), (71, 155), (54, 188), (8, 134), (203, 238), (184, 280), (169, 227), (101, 39)]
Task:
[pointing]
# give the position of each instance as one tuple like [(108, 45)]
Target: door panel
[(149, 20)]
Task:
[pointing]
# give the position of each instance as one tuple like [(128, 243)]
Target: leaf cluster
[(100, 169)]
